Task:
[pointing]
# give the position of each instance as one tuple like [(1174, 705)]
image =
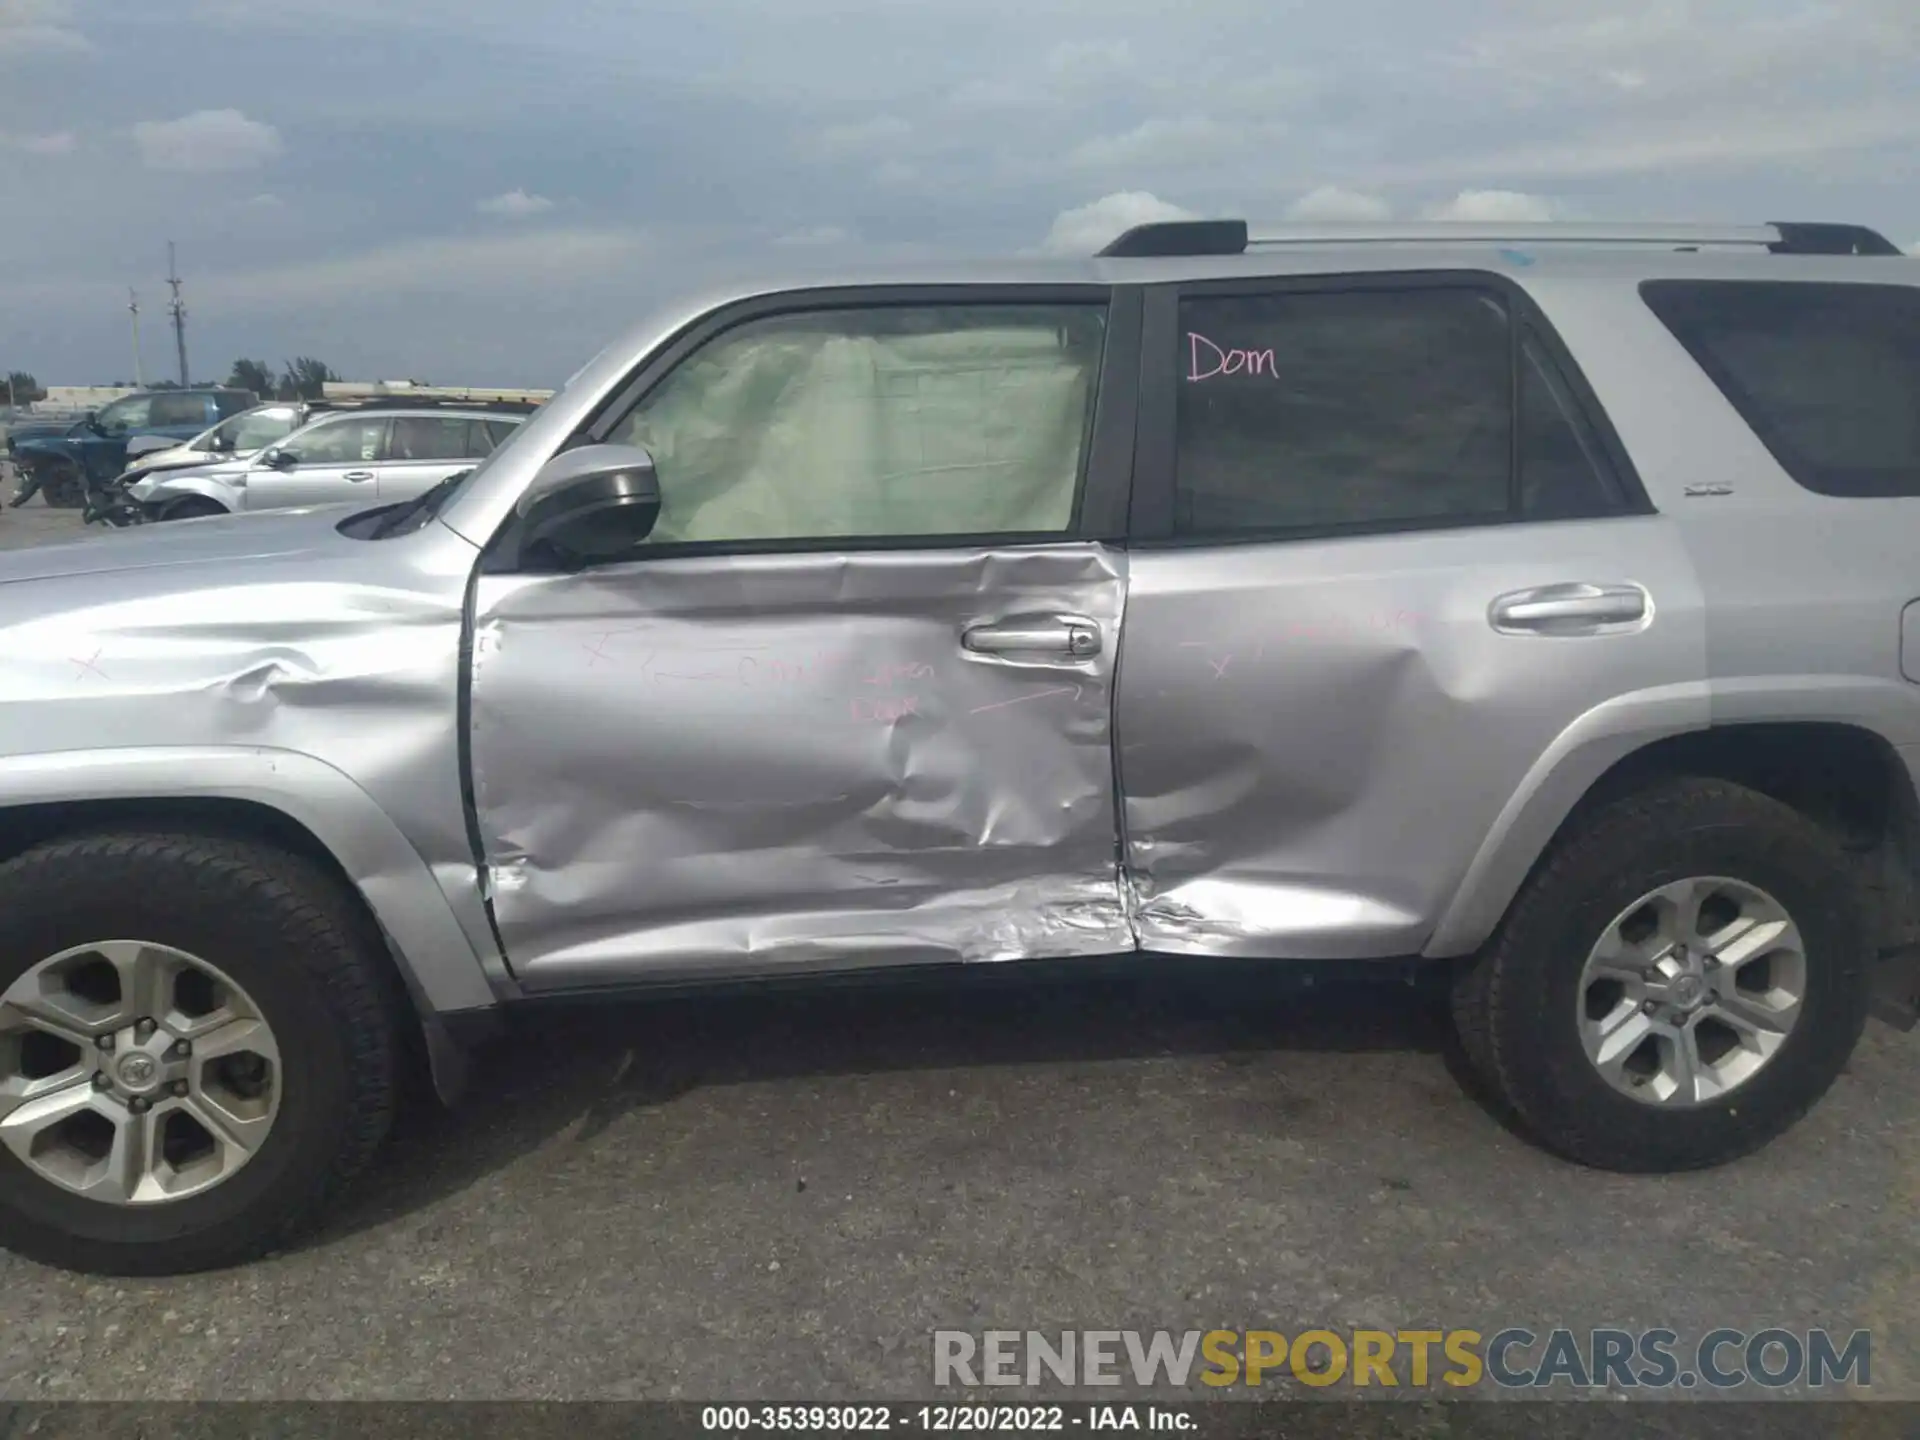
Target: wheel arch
[(1851, 777), (299, 804), (170, 491)]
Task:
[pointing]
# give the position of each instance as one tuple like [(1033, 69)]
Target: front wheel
[(1680, 981), (64, 489), (194, 507), (197, 1050)]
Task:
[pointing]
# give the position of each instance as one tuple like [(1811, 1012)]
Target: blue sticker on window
[(1516, 257)]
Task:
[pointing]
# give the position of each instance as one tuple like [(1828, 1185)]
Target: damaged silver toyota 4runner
[(1546, 604)]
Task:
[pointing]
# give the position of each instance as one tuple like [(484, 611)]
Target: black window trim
[(1801, 469), (1106, 478), (1151, 514)]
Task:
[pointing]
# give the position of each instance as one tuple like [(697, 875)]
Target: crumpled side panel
[(788, 762)]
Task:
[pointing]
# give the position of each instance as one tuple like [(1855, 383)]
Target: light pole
[(133, 309)]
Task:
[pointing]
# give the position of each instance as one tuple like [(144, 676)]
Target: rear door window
[(430, 437), (1359, 409), (1826, 374)]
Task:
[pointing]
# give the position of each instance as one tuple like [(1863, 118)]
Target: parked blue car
[(63, 462)]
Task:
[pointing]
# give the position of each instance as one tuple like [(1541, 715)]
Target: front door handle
[(1572, 609), (1055, 635), (358, 476)]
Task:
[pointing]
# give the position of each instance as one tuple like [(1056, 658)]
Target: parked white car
[(373, 455)]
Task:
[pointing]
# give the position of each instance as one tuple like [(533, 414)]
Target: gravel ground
[(781, 1197)]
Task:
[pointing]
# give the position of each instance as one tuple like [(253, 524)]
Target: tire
[(64, 489), (1521, 1006), (193, 508), (307, 962)]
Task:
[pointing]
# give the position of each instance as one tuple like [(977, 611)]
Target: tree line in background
[(304, 378), (301, 379)]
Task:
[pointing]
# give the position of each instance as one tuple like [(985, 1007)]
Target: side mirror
[(592, 505), (282, 459), (222, 443)]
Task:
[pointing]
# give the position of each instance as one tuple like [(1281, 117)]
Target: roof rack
[(428, 402), (1235, 237), (405, 390)]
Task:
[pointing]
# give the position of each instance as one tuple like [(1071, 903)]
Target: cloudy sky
[(484, 191)]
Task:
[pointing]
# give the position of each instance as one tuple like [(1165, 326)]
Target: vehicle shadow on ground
[(585, 1066)]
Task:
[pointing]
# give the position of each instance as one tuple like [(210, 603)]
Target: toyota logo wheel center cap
[(137, 1071)]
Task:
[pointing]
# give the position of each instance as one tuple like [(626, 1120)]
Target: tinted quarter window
[(1343, 409), (497, 432), (1827, 375), (1564, 472), (884, 422)]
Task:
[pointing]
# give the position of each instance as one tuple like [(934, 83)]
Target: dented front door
[(779, 754), (789, 762)]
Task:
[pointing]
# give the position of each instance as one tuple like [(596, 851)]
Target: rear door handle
[(358, 476), (1572, 609), (1055, 635)]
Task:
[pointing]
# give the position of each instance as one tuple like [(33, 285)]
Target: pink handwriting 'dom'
[(1206, 360)]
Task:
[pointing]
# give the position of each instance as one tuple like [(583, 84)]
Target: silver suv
[(1543, 606), (363, 454)]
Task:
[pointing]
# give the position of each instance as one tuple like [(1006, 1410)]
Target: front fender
[(166, 489), (40, 452), (442, 970)]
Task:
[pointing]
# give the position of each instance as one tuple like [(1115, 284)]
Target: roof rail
[(408, 390), (429, 402), (1234, 237)]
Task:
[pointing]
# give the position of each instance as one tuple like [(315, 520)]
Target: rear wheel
[(1679, 982), (197, 1050)]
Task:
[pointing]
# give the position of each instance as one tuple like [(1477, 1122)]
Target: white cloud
[(59, 142), (515, 204), (1154, 142), (207, 140), (865, 137), (1331, 202), (895, 173), (1087, 60), (815, 235), (1085, 229), (452, 265), (39, 27), (1495, 205)]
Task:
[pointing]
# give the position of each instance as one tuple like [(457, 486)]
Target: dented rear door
[(853, 706), (1388, 549)]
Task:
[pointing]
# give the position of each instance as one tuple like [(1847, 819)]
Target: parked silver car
[(237, 438), (1540, 605), (368, 454)]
